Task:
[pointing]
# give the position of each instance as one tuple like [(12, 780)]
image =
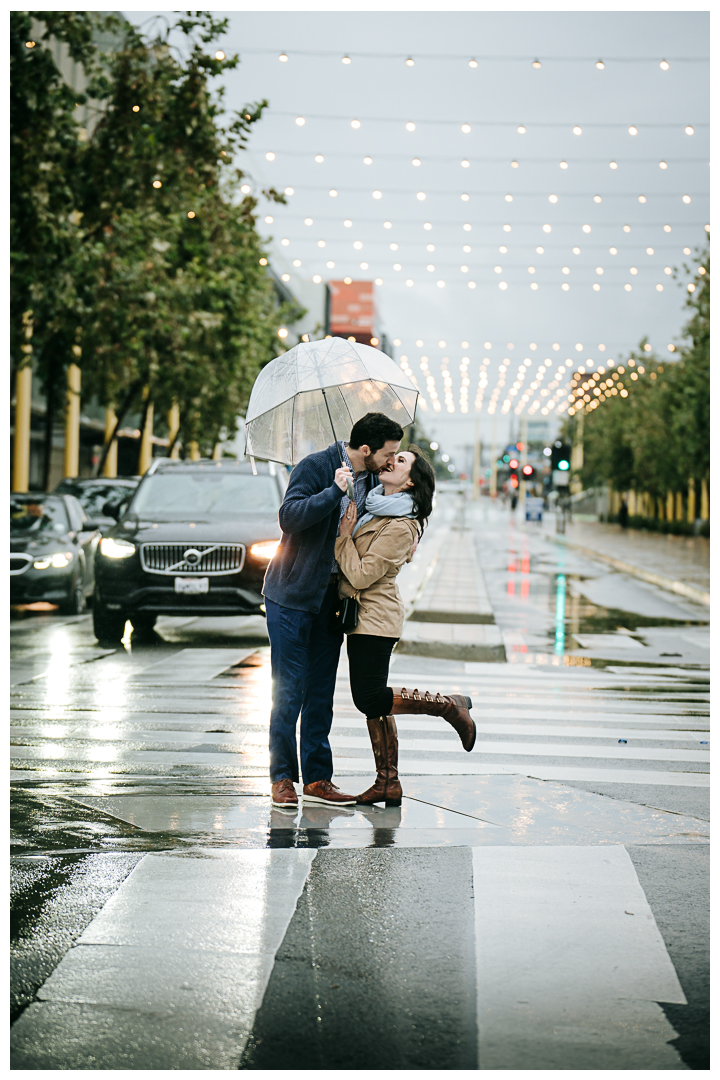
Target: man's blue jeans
[(304, 655)]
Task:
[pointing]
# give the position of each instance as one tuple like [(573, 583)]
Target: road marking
[(191, 666), (570, 962), (178, 958)]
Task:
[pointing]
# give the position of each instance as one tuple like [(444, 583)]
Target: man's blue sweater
[(299, 572)]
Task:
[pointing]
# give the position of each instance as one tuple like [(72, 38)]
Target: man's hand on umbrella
[(342, 476), (348, 520)]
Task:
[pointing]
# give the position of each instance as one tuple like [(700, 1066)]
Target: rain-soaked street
[(539, 903)]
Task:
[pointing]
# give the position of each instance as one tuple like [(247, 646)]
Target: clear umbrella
[(312, 395)]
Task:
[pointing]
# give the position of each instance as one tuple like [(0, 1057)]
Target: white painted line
[(192, 934), (194, 730), (410, 766), (191, 666), (570, 962)]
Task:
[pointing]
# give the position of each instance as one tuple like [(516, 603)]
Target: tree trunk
[(122, 413)]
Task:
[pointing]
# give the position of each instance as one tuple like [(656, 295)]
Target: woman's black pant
[(369, 658)]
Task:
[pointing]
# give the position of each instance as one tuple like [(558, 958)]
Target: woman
[(370, 553)]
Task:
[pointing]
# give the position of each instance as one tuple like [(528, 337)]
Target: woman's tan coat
[(370, 562)]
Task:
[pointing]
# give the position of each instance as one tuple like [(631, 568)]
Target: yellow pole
[(72, 419), (678, 506), (146, 440), (704, 500), (669, 506), (21, 456), (691, 500), (23, 411), (195, 454), (217, 452), (173, 421), (110, 466)]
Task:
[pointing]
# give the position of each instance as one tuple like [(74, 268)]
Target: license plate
[(192, 585)]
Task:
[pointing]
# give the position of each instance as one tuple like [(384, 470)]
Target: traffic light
[(513, 464), (560, 456), (528, 472)]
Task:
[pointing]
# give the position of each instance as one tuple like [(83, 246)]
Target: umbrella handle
[(350, 491)]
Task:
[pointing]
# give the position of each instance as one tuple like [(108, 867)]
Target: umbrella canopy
[(287, 417)]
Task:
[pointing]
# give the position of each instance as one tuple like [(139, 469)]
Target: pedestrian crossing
[(209, 709)]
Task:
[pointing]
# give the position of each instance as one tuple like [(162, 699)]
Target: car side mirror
[(91, 526)]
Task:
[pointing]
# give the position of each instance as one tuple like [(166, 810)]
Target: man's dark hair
[(374, 429)]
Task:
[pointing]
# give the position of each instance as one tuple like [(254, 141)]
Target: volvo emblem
[(192, 557)]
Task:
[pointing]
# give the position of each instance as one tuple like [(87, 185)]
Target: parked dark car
[(93, 494), (52, 551), (195, 539)]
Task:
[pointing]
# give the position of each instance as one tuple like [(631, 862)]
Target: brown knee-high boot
[(384, 738), (453, 708)]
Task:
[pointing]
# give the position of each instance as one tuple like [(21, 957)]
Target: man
[(300, 592)]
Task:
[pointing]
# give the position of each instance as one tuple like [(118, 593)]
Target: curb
[(679, 587)]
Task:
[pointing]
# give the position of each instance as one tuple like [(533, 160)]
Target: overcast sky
[(439, 93)]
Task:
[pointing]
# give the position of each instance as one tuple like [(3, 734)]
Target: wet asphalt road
[(157, 750)]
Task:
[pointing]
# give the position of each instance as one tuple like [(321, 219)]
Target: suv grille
[(192, 558), (19, 563)]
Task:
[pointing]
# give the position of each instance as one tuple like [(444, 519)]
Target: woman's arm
[(388, 550)]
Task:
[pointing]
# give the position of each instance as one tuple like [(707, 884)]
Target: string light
[(664, 65), (409, 126), (577, 130), (355, 124), (219, 55), (521, 130), (465, 128), (632, 130), (346, 60), (319, 158), (689, 130), (410, 62), (563, 164), (599, 65), (472, 63), (283, 58), (300, 121), (536, 64)]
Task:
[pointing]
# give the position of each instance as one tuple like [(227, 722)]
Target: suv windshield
[(205, 494), (34, 515)]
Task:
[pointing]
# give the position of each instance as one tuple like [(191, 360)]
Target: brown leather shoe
[(284, 795), (384, 739), (326, 793), (453, 707)]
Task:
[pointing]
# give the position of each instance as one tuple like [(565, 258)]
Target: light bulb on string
[(599, 65), (346, 60)]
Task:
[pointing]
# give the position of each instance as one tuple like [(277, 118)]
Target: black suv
[(194, 539)]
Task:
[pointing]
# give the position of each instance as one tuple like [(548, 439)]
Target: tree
[(650, 431), (136, 242)]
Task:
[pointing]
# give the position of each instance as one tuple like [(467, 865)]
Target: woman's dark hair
[(374, 429), (422, 475)]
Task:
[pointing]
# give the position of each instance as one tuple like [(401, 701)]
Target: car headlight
[(116, 549), (58, 560), (265, 549)]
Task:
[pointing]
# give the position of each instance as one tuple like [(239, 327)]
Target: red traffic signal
[(528, 470), (513, 463)]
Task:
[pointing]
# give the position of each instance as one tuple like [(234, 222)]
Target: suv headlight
[(116, 549), (58, 560), (265, 549)]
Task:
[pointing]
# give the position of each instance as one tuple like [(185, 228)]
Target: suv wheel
[(108, 626), (75, 603)]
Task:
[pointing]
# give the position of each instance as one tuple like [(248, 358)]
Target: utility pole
[(493, 460), (576, 458), (523, 456), (477, 460)]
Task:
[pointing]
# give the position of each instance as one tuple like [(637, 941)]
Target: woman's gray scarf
[(378, 504)]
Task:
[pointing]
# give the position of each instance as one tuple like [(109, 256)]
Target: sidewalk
[(678, 563)]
